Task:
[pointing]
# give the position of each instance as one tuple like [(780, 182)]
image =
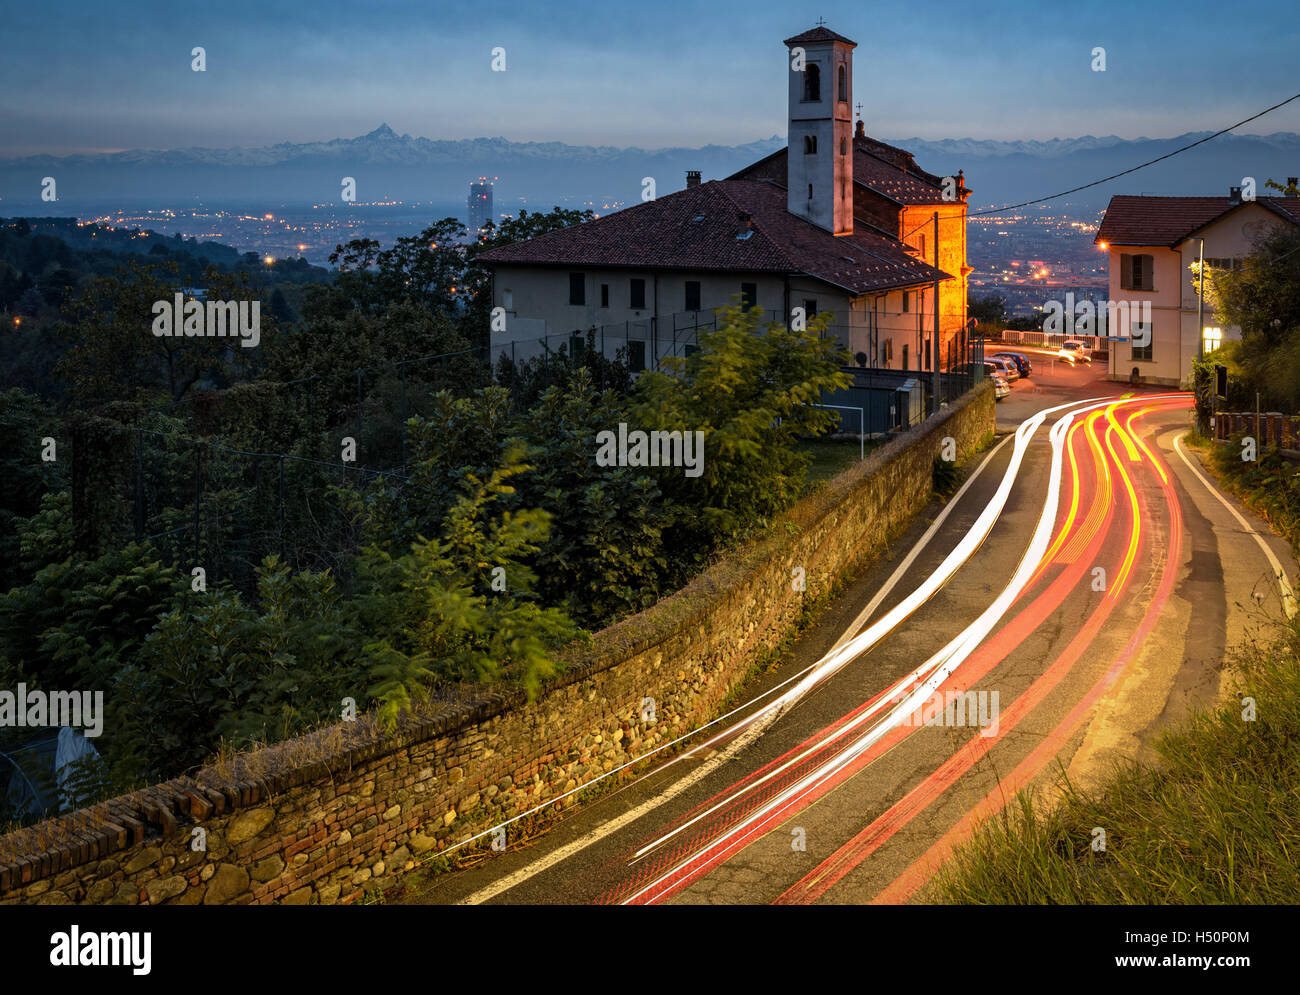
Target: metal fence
[(1097, 343), (894, 400)]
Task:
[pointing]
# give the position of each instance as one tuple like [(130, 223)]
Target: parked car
[(1019, 358), (1073, 351), (994, 371), (1008, 367)]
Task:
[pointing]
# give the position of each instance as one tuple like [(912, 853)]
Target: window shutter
[(1125, 271), (1148, 272)]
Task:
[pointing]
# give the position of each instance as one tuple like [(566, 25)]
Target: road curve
[(1079, 591)]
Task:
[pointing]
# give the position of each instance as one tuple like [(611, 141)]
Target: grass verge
[(1214, 820), (1269, 485)]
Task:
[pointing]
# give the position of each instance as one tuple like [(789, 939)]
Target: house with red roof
[(836, 222), (1155, 246)]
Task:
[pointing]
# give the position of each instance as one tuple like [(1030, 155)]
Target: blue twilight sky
[(90, 75)]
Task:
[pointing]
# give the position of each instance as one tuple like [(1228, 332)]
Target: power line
[(1151, 162)]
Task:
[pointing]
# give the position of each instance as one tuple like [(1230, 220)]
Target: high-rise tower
[(480, 205)]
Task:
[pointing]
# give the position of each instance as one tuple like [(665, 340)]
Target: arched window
[(812, 82), (844, 146), (810, 191), (844, 84), (809, 144)]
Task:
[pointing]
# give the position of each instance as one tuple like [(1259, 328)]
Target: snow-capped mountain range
[(387, 165)]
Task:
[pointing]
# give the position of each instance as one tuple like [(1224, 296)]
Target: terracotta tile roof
[(907, 186), (697, 229), (892, 154), (1169, 220), (1286, 207), (818, 34), (888, 171)]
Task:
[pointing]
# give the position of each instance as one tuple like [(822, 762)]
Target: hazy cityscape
[(1026, 256)]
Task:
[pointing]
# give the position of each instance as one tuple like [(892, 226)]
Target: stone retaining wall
[(322, 818)]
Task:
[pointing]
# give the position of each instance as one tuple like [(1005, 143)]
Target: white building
[(1155, 244), (836, 222)]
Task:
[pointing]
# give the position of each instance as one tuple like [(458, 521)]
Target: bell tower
[(819, 161)]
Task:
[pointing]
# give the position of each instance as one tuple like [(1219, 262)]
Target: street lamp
[(1200, 303)]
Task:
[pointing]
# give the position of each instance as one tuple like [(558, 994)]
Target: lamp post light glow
[(1200, 302)]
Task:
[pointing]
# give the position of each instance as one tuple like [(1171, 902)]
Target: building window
[(577, 289), (844, 146), (604, 295), (691, 350), (844, 84), (1136, 272), (748, 295), (809, 144), (508, 300), (812, 82), (904, 355), (809, 308), (692, 295), (1140, 332), (635, 356), (638, 295), (907, 305), (810, 191), (1226, 262), (1212, 337), (576, 344)]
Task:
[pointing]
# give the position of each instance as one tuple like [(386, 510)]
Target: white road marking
[(936, 670), (856, 625), (838, 657), (1284, 585)]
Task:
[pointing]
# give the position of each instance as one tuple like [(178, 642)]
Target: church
[(835, 222)]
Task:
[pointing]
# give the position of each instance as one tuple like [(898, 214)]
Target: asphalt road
[(1084, 587)]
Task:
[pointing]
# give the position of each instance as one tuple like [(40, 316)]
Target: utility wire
[(1134, 169)]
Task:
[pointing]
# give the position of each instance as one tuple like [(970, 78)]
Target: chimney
[(1234, 195), (692, 178)]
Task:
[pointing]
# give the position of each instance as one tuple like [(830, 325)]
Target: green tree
[(461, 606), (1263, 299), (112, 352), (750, 391), (991, 311), (24, 477), (605, 555)]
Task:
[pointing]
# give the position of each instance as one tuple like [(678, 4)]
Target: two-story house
[(835, 222), (1155, 246)]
